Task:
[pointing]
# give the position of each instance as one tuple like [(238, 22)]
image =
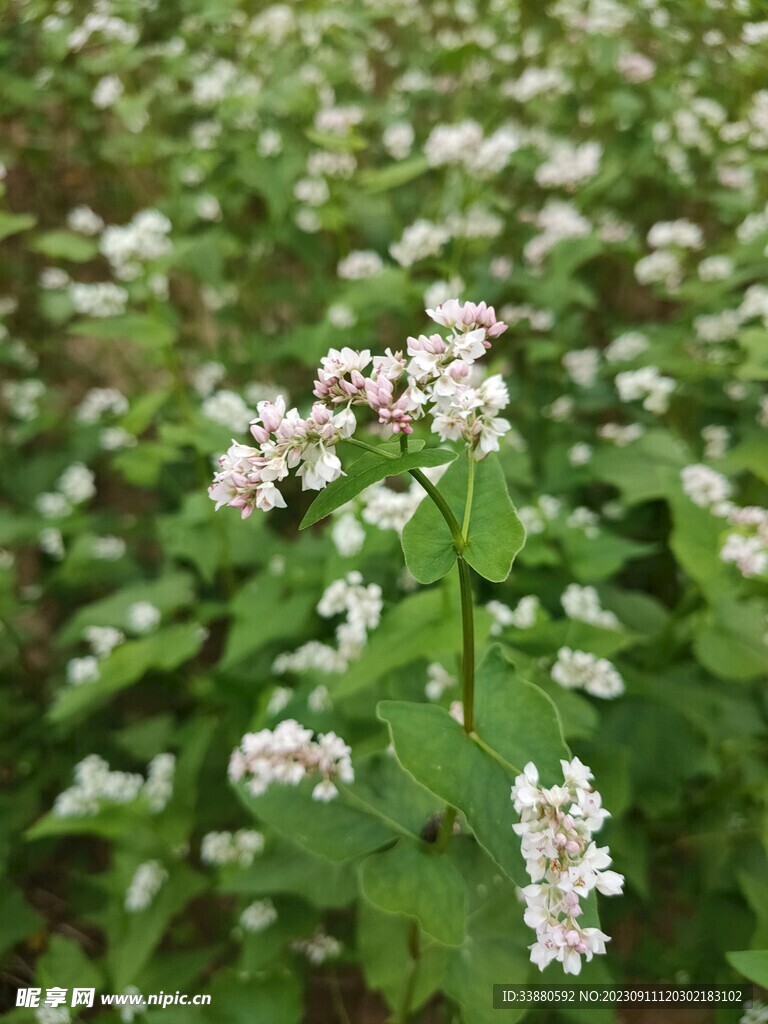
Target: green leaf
[(383, 943), (168, 593), (440, 755), (64, 963), (18, 919), (13, 223), (134, 936), (413, 880), (65, 245), (382, 179), (332, 830), (649, 468), (729, 640), (424, 625), (517, 718), (162, 651), (144, 328), (495, 533), (752, 963), (369, 470), (263, 612), (286, 867), (275, 999), (495, 949)]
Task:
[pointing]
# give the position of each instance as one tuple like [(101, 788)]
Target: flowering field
[(384, 541)]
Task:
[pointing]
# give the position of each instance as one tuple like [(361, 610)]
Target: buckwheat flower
[(278, 700), (52, 1015), (341, 316), (398, 139), (219, 848), (99, 402), (681, 234), (319, 948), (347, 534), (704, 486), (319, 699), (583, 604), (287, 755), (748, 554), (564, 864), (626, 346), (158, 788), (568, 166), (108, 549), (96, 786), (143, 617), (270, 143), (52, 505), (83, 220), (439, 679), (620, 434), (448, 144), (635, 67), (580, 454), (359, 265), (715, 268), (581, 670), (146, 883), (83, 670), (661, 267), (76, 483), (103, 299), (258, 916), (103, 639), (755, 1012), (716, 440), (582, 366), (108, 91), (229, 409), (208, 207), (419, 241), (647, 385)]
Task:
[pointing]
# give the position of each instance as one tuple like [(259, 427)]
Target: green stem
[(468, 651), (443, 507), (446, 828), (413, 971), (470, 496)]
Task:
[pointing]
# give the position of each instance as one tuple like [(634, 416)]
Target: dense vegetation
[(200, 200)]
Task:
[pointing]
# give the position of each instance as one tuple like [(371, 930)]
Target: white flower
[(359, 265), (439, 679), (76, 483), (704, 486), (83, 670), (287, 755), (258, 916), (419, 241), (584, 671), (564, 864), (319, 948), (147, 881), (143, 617), (347, 534), (108, 91), (648, 385), (103, 639), (158, 788), (583, 604)]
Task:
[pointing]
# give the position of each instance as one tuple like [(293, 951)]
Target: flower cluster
[(361, 605), (563, 862), (96, 787), (287, 755), (147, 881), (258, 916), (436, 375), (583, 604), (580, 670), (231, 847)]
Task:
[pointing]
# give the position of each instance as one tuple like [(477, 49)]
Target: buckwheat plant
[(469, 521)]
